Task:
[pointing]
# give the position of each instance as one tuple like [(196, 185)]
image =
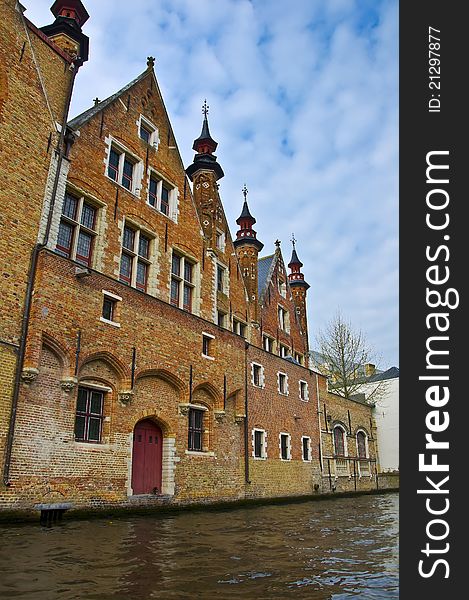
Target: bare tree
[(347, 361)]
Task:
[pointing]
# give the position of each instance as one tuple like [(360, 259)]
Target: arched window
[(339, 440), (361, 444)]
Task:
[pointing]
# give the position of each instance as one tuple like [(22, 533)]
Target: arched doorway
[(147, 458)]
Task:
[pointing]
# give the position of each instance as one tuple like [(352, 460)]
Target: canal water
[(328, 549)]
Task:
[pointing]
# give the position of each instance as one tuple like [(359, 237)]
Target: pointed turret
[(247, 249), (298, 287), (205, 146), (65, 31), (246, 233)]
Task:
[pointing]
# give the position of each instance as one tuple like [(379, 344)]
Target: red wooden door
[(146, 458)]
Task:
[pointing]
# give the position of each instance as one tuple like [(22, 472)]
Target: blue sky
[(303, 102)]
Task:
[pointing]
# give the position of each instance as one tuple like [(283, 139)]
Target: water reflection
[(332, 549)]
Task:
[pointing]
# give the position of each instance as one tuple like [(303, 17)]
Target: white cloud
[(303, 103)]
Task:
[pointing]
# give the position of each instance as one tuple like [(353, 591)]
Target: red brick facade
[(143, 310)]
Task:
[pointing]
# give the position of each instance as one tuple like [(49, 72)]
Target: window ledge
[(122, 187), (114, 323), (92, 446), (160, 212), (283, 393), (304, 399), (207, 356), (199, 453), (260, 457)]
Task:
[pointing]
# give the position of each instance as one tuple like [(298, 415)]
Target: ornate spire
[(296, 277), (245, 221), (205, 146), (295, 262)]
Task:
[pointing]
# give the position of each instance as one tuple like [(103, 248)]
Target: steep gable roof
[(94, 110), (266, 266)]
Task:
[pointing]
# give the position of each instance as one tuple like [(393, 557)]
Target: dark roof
[(263, 264), (245, 214), (94, 110), (294, 259), (205, 135), (391, 373)]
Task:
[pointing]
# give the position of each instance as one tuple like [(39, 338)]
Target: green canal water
[(329, 549)]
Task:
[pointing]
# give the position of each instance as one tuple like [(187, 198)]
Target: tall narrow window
[(306, 446), (220, 279), (361, 445), (89, 415), (221, 318), (339, 441), (285, 446), (257, 375), (77, 229), (196, 418), (303, 390), (267, 343), (282, 383), (135, 258), (182, 282), (283, 319), (259, 443), (113, 166)]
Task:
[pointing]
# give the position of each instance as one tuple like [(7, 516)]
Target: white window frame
[(261, 375), (182, 281), (282, 288), (115, 299), (224, 271), (137, 171), (271, 340), (300, 358), (344, 431), (282, 433), (306, 397), (136, 258), (281, 349), (263, 445), (77, 226), (173, 194), (361, 430), (309, 459), (220, 240), (210, 337), (283, 318), (237, 327), (154, 139), (281, 374)]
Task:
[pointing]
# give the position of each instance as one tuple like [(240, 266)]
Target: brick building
[(147, 357)]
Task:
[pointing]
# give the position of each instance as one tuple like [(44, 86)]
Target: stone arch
[(157, 419), (204, 389), (165, 375), (120, 373), (207, 396), (169, 460), (60, 353), (339, 444)]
